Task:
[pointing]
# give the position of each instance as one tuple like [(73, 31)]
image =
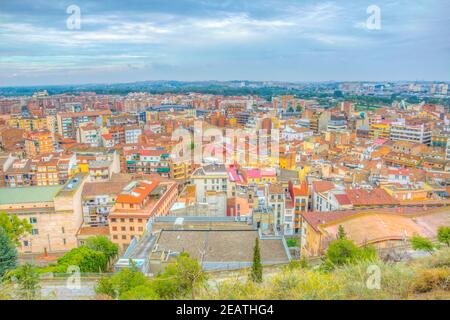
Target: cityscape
[(143, 183)]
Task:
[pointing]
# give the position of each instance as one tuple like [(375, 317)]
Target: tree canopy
[(14, 227), (8, 253)]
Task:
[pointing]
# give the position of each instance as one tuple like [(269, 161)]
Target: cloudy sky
[(293, 40)]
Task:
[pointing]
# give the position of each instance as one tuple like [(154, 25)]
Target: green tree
[(86, 259), (28, 281), (143, 292), (14, 227), (180, 278), (189, 273), (344, 251), (341, 235), (291, 109), (166, 284), (443, 235), (8, 253), (299, 108), (421, 243), (121, 282), (256, 270), (104, 245)]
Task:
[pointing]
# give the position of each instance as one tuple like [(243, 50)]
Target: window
[(64, 241), (122, 220), (122, 228), (33, 220), (131, 228), (113, 219), (114, 228), (115, 237), (124, 237), (34, 232), (131, 220), (63, 230), (140, 220)]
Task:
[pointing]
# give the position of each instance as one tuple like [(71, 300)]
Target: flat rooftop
[(28, 194), (221, 245)]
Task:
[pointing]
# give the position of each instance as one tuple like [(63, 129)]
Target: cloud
[(237, 34)]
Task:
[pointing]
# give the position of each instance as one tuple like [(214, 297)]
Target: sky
[(284, 40)]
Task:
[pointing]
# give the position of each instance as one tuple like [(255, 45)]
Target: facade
[(68, 123), (38, 142), (148, 161), (53, 211), (135, 205), (420, 133)]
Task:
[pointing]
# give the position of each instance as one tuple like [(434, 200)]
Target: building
[(68, 123), (447, 150), (53, 211), (382, 228), (98, 198), (218, 243), (148, 161), (211, 183), (420, 133), (90, 134), (38, 143), (135, 205)]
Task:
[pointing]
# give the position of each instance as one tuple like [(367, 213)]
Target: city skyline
[(307, 41)]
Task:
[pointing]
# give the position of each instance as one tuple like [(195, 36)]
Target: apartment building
[(135, 205), (148, 161), (38, 142), (68, 123), (89, 134), (211, 183), (420, 133), (98, 198)]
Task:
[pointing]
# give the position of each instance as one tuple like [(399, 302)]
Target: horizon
[(213, 80), (43, 43)]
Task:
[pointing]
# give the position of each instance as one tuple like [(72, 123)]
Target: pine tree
[(256, 271), (8, 253), (341, 235)]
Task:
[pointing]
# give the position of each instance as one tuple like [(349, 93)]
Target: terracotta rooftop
[(364, 197)]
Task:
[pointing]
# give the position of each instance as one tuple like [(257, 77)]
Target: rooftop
[(28, 194)]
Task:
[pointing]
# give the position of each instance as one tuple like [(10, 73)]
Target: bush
[(439, 259), (443, 235), (421, 243), (121, 282), (86, 259), (298, 264), (343, 251), (395, 280), (432, 279), (292, 242), (141, 292), (303, 285)]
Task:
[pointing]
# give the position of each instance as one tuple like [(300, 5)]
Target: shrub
[(439, 259), (443, 235), (395, 280), (343, 251), (86, 259), (141, 292), (421, 243), (432, 279), (292, 242)]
